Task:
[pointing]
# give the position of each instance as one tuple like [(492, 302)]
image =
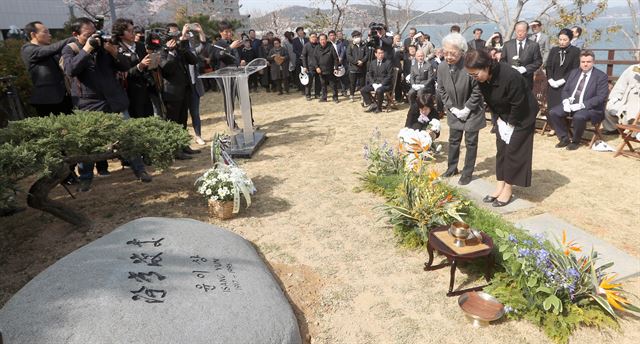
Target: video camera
[(374, 34), (156, 39)]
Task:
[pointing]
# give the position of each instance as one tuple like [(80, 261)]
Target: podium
[(235, 81)]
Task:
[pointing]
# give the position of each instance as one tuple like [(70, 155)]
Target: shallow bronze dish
[(480, 307)]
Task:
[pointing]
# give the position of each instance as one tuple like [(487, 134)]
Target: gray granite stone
[(154, 280), (624, 264), (478, 188)]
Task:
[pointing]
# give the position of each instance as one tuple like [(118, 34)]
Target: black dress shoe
[(573, 146), (188, 150), (497, 203), (489, 199), (450, 173), (563, 143), (183, 156), (464, 180)]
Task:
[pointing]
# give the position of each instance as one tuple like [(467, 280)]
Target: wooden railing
[(611, 60)]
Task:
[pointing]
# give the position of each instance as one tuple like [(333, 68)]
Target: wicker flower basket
[(222, 210)]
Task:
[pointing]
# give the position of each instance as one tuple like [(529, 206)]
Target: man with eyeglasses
[(541, 38), (522, 54)]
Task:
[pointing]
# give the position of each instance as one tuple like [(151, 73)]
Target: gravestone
[(154, 280)]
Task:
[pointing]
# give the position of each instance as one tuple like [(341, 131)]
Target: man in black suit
[(298, 45), (225, 53), (409, 40), (421, 77), (49, 95), (476, 43), (584, 97), (357, 56), (378, 80), (308, 66), (326, 62), (522, 54)]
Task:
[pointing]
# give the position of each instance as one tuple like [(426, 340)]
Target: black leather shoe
[(183, 156), (370, 108), (144, 177), (188, 150), (489, 199), (573, 146), (563, 143), (450, 173), (497, 203), (464, 180)]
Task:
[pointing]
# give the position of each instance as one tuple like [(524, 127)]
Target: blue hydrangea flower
[(513, 239)]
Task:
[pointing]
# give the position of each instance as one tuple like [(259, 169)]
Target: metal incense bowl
[(480, 308), (460, 231)]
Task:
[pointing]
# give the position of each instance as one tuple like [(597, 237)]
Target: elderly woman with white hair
[(463, 104)]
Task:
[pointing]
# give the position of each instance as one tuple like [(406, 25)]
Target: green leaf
[(604, 304), (543, 289), (532, 281)]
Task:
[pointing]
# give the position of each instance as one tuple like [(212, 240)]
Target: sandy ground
[(348, 280)]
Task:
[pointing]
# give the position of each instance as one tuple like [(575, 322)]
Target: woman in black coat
[(562, 59), (505, 91)]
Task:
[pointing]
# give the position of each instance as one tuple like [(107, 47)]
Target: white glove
[(576, 107), (417, 87), (376, 86), (566, 105), (520, 69), (435, 125), (463, 114), (552, 83), (423, 119), (455, 111), (408, 78), (560, 82)]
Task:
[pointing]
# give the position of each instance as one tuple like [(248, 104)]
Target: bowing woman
[(562, 59), (506, 92)]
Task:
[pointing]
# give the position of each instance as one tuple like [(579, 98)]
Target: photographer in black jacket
[(91, 61)]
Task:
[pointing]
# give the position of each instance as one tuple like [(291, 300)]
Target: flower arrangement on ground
[(225, 183)]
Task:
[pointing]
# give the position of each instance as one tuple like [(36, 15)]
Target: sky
[(250, 6)]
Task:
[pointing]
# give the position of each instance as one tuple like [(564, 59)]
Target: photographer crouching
[(92, 62)]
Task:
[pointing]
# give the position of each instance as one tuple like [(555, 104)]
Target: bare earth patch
[(347, 279)]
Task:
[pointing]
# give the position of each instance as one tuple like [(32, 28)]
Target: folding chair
[(389, 95), (629, 133), (540, 92)]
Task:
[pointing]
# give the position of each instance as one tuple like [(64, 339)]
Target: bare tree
[(141, 12), (274, 21), (405, 10), (384, 4), (505, 15), (634, 35)]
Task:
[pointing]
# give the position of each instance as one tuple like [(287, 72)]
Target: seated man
[(421, 77), (624, 100), (378, 80), (584, 97)]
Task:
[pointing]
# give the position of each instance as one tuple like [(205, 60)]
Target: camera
[(155, 39), (374, 34), (99, 39)]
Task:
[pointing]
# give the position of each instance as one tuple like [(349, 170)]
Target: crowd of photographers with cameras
[(140, 73)]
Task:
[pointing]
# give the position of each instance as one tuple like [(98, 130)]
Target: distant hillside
[(297, 15)]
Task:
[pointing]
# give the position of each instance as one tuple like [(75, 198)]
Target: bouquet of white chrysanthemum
[(225, 183)]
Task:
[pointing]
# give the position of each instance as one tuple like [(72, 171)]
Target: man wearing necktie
[(378, 80), (541, 38), (584, 97), (298, 44), (522, 54), (421, 77)]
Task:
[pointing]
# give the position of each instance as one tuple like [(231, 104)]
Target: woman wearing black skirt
[(562, 59), (505, 91)]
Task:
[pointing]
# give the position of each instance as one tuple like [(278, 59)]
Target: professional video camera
[(155, 39), (374, 34)]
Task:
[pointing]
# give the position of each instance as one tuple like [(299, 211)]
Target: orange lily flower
[(569, 246)]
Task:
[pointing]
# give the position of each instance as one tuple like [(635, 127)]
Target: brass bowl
[(480, 307), (460, 231)]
